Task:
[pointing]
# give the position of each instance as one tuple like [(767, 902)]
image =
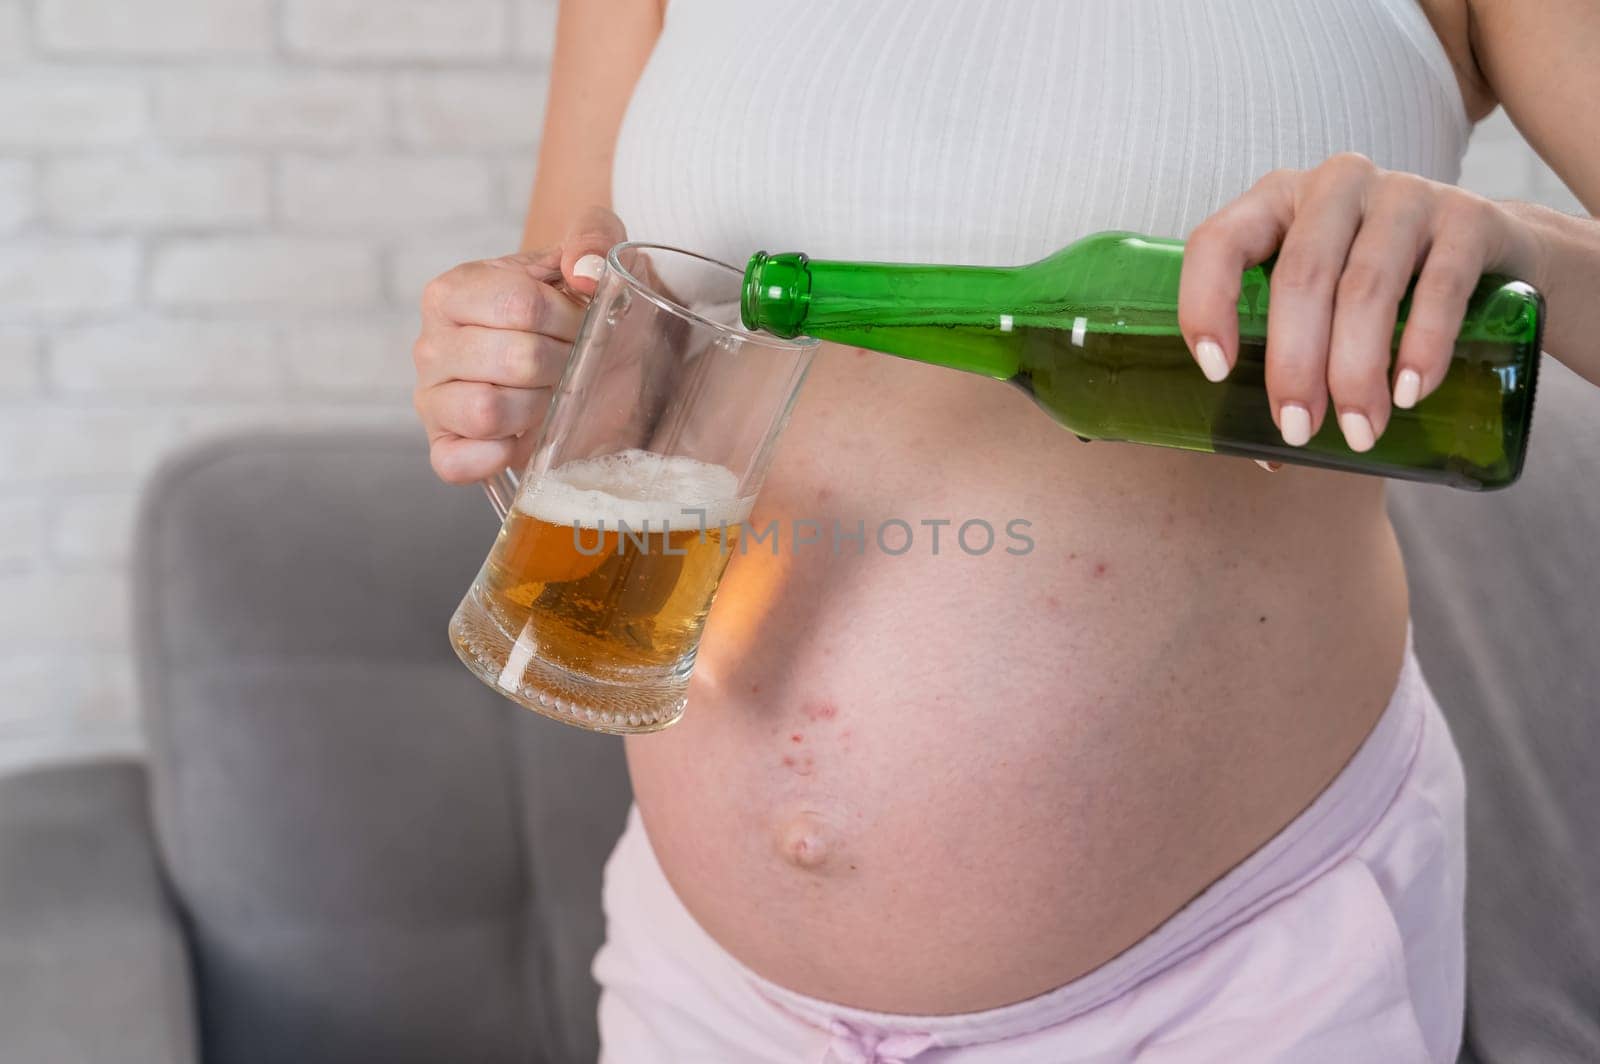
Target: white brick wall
[(16, 194), (22, 524), (168, 28), (382, 193), (292, 108), (133, 191), (163, 358), (399, 30), (13, 30), (93, 530), (253, 272), (453, 111), (20, 374), (216, 213), (67, 109), (56, 276), (59, 447)]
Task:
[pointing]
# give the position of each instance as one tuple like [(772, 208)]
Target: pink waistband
[(1326, 833)]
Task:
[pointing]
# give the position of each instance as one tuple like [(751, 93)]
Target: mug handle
[(501, 487)]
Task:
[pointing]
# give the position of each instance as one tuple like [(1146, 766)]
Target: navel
[(806, 842)]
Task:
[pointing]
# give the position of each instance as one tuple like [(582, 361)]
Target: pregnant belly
[(941, 782)]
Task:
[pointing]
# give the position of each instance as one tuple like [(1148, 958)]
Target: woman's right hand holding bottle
[(496, 335)]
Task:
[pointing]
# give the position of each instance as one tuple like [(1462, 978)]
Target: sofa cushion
[(1506, 606), (380, 858)]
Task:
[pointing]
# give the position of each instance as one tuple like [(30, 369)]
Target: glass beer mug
[(590, 605)]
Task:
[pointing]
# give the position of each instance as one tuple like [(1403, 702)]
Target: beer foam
[(635, 487)]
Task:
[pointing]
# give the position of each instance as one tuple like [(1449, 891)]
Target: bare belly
[(930, 783)]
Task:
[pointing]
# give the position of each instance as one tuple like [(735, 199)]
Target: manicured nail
[(1213, 363), (1270, 467), (1357, 431), (590, 266), (1407, 389), (1296, 422)]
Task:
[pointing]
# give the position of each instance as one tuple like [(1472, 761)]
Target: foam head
[(638, 488)]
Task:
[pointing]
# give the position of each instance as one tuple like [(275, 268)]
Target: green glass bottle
[(1091, 333)]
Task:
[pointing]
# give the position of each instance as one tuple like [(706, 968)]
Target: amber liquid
[(605, 602), (1144, 387)]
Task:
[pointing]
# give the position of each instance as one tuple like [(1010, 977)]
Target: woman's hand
[(495, 337), (1349, 238)]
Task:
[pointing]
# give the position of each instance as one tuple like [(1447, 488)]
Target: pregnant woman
[(1170, 785)]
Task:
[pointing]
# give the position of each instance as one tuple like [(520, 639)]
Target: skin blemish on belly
[(1053, 603), (755, 688), (1099, 569), (796, 737), (821, 710), (800, 765)]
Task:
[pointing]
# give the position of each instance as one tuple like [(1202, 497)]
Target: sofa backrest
[(379, 859), (1506, 609)]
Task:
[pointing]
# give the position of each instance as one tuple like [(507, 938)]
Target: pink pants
[(1339, 940)]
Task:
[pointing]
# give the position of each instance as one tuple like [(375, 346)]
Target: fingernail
[(1213, 363), (1357, 431), (1296, 422), (590, 267), (1407, 389), (1270, 467)]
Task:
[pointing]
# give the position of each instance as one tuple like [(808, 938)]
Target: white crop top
[(995, 131)]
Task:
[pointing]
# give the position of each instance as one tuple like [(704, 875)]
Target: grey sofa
[(344, 849)]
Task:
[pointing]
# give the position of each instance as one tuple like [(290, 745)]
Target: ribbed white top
[(995, 131)]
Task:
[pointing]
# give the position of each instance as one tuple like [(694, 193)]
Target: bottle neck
[(909, 310)]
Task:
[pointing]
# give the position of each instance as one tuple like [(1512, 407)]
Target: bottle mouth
[(749, 304), (776, 293)]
